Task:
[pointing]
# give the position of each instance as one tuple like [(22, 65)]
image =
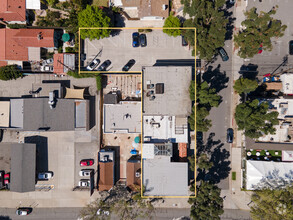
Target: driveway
[(119, 50)]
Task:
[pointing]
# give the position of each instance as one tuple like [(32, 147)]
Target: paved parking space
[(84, 151), (119, 50)]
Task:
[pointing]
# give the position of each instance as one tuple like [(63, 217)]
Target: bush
[(9, 72), (233, 175), (16, 26), (70, 50)]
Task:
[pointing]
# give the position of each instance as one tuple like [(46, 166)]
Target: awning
[(74, 93)]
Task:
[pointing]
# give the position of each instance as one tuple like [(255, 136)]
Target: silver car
[(85, 172)]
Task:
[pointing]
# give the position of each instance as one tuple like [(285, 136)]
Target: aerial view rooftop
[(140, 109)]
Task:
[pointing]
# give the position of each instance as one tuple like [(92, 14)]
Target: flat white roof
[(171, 128), (124, 117), (33, 4), (161, 177), (148, 151), (287, 82), (261, 174), (4, 114)]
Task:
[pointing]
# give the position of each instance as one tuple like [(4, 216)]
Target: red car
[(86, 162), (6, 178)]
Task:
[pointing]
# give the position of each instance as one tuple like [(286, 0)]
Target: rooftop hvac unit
[(137, 174), (51, 101), (164, 7), (152, 98)]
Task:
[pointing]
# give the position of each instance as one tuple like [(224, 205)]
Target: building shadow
[(42, 151)]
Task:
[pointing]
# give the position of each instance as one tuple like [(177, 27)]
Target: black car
[(143, 40), (104, 65), (184, 42), (128, 65), (135, 39), (223, 54), (291, 47), (230, 135)]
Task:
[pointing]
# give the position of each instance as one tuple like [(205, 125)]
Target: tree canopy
[(207, 96), (9, 72), (258, 31), (254, 119), (93, 17), (208, 204), (172, 22), (273, 204), (209, 19), (244, 85)]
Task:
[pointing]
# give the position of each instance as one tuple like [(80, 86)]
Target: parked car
[(104, 65), (135, 39), (93, 64), (223, 54), (291, 47), (85, 172), (184, 42), (49, 61), (143, 40), (7, 178), (128, 65), (23, 211), (2, 173), (84, 183), (86, 162), (230, 135), (1, 134), (45, 175)]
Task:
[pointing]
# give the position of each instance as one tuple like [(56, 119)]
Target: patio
[(264, 155)]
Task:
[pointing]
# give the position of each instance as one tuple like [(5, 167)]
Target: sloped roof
[(63, 62), (23, 167), (15, 43), (13, 10), (132, 167), (106, 180)]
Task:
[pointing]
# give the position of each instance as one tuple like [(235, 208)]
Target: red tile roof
[(12, 10), (3, 63), (15, 43), (58, 60)]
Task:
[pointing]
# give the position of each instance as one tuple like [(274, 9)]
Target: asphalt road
[(72, 213), (219, 75)]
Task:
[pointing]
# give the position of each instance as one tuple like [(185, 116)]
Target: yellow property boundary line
[(129, 73)]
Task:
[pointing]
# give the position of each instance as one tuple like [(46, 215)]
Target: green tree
[(254, 119), (93, 17), (9, 72), (208, 205), (259, 29), (207, 96), (202, 124), (172, 22), (210, 22), (203, 162), (90, 211), (244, 85), (52, 2), (272, 204)]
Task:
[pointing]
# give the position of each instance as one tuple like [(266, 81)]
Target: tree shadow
[(249, 71), (217, 79), (230, 25), (219, 156)]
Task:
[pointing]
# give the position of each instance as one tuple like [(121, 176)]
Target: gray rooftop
[(23, 167), (124, 117), (32, 114), (252, 144), (161, 177), (171, 98)]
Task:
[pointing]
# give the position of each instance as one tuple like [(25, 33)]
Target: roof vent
[(40, 36), (164, 7)]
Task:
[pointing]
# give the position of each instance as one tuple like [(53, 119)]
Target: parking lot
[(268, 61), (119, 50)]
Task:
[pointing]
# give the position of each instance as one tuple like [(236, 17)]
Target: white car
[(93, 64), (23, 211), (85, 172), (84, 183), (45, 175)]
